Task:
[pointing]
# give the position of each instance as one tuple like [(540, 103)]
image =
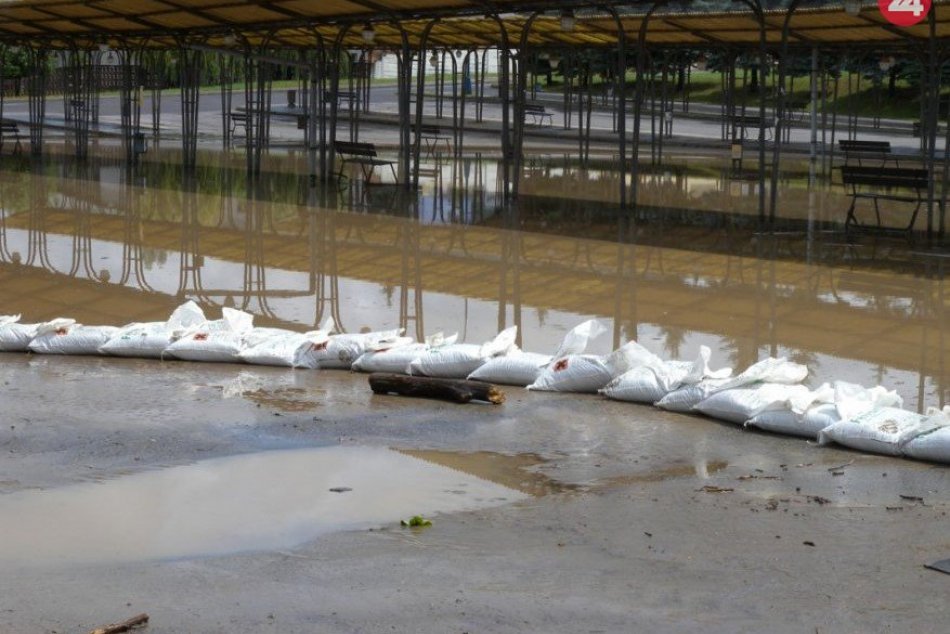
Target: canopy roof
[(461, 24)]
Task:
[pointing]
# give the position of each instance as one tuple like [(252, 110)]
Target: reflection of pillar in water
[(191, 260), (324, 275), (411, 277), (626, 324), (510, 266), (132, 241)]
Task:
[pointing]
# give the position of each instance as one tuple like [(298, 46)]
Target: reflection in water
[(77, 240), (262, 501)]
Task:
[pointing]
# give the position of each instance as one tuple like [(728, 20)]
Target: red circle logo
[(904, 12)]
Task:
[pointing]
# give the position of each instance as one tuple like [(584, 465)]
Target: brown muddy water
[(109, 246)]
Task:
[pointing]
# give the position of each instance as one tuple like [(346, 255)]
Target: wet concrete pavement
[(637, 520), (658, 522)]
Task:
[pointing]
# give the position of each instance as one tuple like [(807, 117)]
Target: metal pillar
[(77, 96), (638, 103), (928, 127), (331, 94), (779, 111), (420, 101), (228, 66), (521, 60), (620, 92), (190, 63), (36, 86), (130, 104), (813, 114), (945, 182), (156, 76)]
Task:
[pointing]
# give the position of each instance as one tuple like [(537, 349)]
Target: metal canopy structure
[(54, 24)]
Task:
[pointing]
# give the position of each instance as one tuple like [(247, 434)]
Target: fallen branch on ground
[(458, 390), (124, 626)]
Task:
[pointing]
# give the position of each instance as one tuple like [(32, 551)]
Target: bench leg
[(851, 219)]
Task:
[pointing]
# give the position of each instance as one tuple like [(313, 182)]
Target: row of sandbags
[(768, 395)]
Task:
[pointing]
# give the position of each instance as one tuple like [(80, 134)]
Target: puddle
[(262, 501), (282, 399), (701, 469), (515, 472)]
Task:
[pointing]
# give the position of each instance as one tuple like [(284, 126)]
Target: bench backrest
[(864, 147), (534, 108), (354, 149), (9, 126), (427, 129), (329, 96), (910, 178)]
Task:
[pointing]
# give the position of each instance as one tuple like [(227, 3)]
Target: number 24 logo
[(916, 7)]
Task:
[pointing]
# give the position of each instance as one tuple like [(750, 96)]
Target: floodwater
[(102, 245), (261, 501)]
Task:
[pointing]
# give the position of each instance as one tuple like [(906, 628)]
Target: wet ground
[(201, 493)]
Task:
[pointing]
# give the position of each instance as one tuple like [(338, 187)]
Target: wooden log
[(457, 390), (124, 626)]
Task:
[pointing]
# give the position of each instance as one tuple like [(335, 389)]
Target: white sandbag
[(14, 336), (589, 373), (219, 341), (149, 339), (449, 362), (769, 370), (458, 360), (883, 431), (655, 379), (579, 337), (523, 368), (805, 424), (280, 349), (573, 373), (932, 445), (395, 360), (738, 405), (639, 385), (686, 397), (143, 340), (385, 357), (340, 351), (65, 336), (852, 399), (807, 415), (517, 368)]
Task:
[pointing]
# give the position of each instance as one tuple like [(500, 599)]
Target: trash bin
[(139, 143), (291, 98)]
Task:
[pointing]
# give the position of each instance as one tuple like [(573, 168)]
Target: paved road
[(699, 127)]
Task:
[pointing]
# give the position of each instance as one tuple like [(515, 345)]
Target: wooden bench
[(898, 184), (538, 113), (236, 119), (432, 136), (362, 154), (10, 131), (340, 96), (745, 122), (879, 151)]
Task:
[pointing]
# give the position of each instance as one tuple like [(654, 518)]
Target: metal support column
[(36, 86), (190, 63)]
